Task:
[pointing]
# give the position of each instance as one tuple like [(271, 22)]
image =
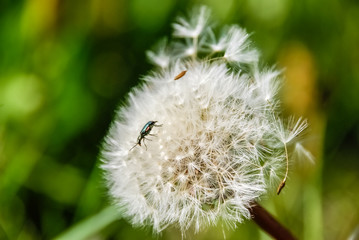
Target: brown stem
[(266, 221)]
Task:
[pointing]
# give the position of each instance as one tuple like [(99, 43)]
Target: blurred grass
[(66, 65)]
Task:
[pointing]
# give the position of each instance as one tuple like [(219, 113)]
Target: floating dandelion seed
[(222, 142)]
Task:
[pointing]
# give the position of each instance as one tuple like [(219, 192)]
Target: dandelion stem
[(269, 224)]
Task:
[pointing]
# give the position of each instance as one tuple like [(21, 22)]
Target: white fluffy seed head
[(221, 143)]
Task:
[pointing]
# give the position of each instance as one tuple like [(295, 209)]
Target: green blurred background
[(65, 65)]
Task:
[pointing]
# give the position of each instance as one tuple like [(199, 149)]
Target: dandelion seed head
[(220, 143)]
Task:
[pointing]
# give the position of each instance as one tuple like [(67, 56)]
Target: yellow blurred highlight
[(299, 93), (38, 17)]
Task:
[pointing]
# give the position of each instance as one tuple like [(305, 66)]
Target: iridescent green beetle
[(144, 132)]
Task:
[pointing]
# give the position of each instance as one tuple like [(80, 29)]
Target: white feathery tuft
[(160, 55), (192, 26), (238, 49), (290, 130), (213, 45)]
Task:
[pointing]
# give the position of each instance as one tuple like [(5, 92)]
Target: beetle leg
[(158, 125), (144, 143)]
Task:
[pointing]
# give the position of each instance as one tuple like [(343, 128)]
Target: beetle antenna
[(133, 147)]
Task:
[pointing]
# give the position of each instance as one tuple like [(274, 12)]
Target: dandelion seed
[(238, 50), (216, 46), (192, 26), (160, 55), (181, 74)]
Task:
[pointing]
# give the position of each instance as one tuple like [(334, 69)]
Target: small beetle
[(181, 74), (144, 132)]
